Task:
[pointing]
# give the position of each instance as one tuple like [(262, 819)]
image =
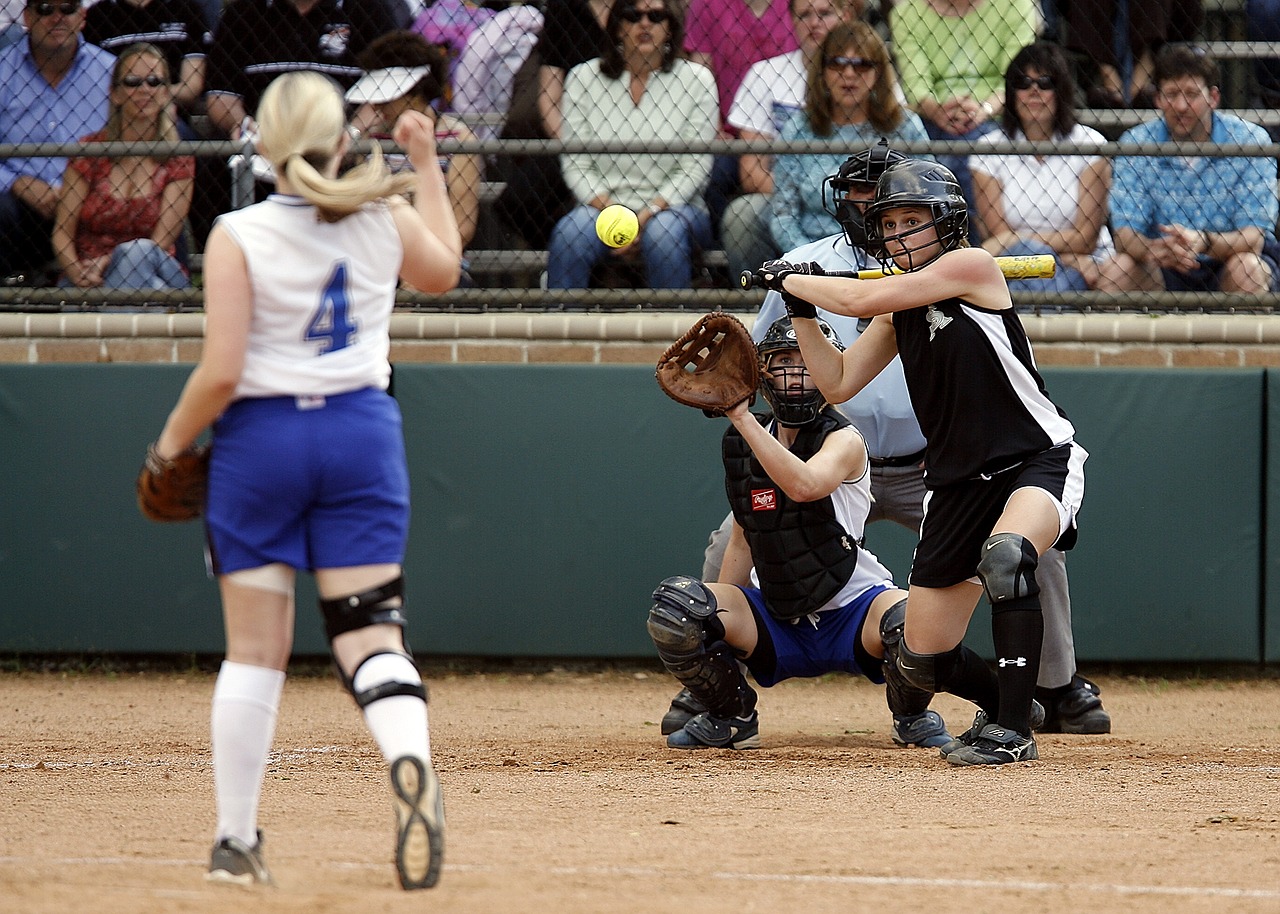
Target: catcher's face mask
[(789, 390)]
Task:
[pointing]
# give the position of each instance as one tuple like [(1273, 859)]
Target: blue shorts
[(803, 650), (317, 482)]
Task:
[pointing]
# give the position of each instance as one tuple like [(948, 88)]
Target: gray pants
[(899, 497)]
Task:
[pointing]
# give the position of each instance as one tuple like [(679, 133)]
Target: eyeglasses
[(1043, 83), (48, 9), (657, 17), (133, 82), (858, 63)]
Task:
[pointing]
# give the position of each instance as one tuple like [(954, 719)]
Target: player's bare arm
[(841, 375), (842, 456)]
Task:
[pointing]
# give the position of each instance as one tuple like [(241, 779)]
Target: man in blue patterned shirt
[(1194, 222)]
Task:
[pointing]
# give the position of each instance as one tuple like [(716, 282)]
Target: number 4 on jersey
[(330, 324)]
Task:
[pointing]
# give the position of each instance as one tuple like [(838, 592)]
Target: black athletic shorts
[(958, 518)]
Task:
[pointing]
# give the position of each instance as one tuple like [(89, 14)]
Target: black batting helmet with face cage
[(920, 183), (795, 404), (862, 169)]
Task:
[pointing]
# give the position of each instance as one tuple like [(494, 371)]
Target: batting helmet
[(921, 183), (862, 169), (793, 399)]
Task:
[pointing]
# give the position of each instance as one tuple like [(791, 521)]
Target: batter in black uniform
[(1004, 478)]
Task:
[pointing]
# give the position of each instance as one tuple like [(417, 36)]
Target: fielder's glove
[(173, 490), (712, 367)]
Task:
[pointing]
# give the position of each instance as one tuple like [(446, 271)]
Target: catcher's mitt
[(712, 367), (173, 490)]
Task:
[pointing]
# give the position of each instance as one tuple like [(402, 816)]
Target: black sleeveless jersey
[(974, 386)]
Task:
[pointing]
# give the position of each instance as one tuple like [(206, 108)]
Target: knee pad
[(379, 606), (892, 624), (677, 620), (930, 672), (384, 674), (1008, 571)]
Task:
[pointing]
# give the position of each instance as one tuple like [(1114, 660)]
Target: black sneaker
[(981, 720), (996, 746), (684, 707), (926, 729), (235, 863), (703, 731), (1077, 710), (419, 823)]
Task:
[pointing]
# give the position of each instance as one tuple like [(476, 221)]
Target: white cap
[(380, 86)]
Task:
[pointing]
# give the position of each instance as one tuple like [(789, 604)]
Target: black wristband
[(798, 307)]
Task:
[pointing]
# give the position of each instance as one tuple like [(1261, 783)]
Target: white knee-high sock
[(399, 723), (245, 702)]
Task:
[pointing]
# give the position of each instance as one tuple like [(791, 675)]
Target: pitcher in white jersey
[(308, 469), (1004, 476), (798, 595)]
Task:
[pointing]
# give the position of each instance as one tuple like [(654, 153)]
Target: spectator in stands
[(1262, 23), (770, 93), (640, 91), (119, 219), (1193, 222), (952, 56), (1115, 36), (485, 74), (406, 73), (55, 91), (851, 96), (176, 27), (450, 23), (1053, 204), (727, 37)]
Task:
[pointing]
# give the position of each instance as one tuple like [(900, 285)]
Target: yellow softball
[(617, 226)]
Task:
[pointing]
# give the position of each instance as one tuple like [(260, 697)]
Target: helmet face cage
[(922, 184), (862, 169), (788, 389)]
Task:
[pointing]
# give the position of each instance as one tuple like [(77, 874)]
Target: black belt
[(909, 460)]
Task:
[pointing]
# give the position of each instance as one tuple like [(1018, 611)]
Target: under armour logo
[(936, 320), (1016, 661)]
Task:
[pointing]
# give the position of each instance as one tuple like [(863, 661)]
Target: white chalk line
[(1018, 885)]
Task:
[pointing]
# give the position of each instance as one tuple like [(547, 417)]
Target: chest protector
[(803, 555)]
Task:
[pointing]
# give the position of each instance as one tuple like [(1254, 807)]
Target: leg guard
[(1008, 572), (381, 605), (384, 674), (678, 624), (903, 697), (930, 672)]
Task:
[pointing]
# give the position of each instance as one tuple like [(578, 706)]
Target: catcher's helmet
[(794, 400), (863, 169), (918, 182)]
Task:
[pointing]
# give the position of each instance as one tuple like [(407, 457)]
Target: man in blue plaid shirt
[(1193, 222)]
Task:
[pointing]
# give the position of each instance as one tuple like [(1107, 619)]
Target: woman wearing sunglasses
[(119, 219), (1055, 204), (639, 91), (851, 95)]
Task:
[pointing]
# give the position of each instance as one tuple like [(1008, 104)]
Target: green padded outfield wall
[(549, 500)]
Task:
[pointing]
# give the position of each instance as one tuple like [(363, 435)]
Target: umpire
[(882, 412)]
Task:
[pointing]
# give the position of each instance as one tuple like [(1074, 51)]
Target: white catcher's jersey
[(322, 297)]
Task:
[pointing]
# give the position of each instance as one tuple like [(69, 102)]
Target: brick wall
[(1109, 340)]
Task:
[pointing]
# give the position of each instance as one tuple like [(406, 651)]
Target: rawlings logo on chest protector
[(764, 500)]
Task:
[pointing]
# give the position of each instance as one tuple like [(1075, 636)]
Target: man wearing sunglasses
[(56, 88)]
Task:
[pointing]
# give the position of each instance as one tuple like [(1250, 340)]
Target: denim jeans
[(142, 264), (666, 247)]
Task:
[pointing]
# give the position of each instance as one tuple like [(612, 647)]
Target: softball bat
[(1022, 266)]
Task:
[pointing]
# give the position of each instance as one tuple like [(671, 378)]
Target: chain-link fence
[(1135, 142)]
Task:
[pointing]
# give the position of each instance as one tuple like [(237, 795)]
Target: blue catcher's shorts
[(312, 482), (803, 650)]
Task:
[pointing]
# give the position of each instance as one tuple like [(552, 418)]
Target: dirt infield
[(561, 797)]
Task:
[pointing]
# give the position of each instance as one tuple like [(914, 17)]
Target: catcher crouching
[(798, 595)]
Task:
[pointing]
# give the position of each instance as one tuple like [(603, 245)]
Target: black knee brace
[(382, 690), (683, 610), (1008, 572), (381, 605), (903, 697)]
